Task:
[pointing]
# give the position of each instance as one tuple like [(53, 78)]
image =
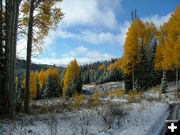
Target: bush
[(95, 99), (78, 99), (116, 93), (134, 96), (113, 114)]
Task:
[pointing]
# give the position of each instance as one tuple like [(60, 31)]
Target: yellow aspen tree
[(117, 65), (54, 72), (72, 79), (150, 35), (33, 80), (172, 44), (39, 19), (135, 35), (46, 16), (102, 67), (159, 56), (42, 79)]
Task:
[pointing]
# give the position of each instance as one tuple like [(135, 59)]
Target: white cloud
[(90, 12), (82, 54), (157, 20), (123, 30), (89, 36), (100, 37)]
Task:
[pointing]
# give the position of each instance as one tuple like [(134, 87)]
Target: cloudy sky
[(94, 30)]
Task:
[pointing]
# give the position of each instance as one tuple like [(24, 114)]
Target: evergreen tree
[(58, 92), (127, 82), (51, 88), (155, 76), (142, 78)]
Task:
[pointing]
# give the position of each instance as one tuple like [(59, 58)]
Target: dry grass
[(116, 93), (78, 100), (95, 98), (135, 96)]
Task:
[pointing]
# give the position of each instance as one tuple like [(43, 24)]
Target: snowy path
[(174, 115)]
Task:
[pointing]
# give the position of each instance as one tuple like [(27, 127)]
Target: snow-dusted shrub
[(78, 99), (116, 93), (112, 114), (134, 96), (95, 98)]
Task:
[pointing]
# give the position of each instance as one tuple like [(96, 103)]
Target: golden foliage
[(54, 72), (78, 99), (172, 42), (118, 65), (134, 36), (72, 72), (46, 17), (167, 55), (116, 93), (95, 98), (134, 96), (159, 56), (177, 53), (43, 74), (33, 84), (42, 78), (102, 67)]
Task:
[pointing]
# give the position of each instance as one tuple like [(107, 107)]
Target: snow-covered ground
[(144, 118), (114, 116), (104, 87)]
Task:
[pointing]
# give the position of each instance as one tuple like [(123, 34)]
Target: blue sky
[(96, 29)]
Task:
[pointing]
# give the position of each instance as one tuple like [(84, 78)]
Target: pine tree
[(58, 91), (155, 76), (48, 91), (128, 82), (142, 70)]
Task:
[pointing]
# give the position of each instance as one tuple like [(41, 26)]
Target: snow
[(147, 121), (114, 117), (115, 100), (144, 118)]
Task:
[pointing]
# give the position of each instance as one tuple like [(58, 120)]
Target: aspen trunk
[(133, 78), (177, 82), (8, 32), (28, 65)]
